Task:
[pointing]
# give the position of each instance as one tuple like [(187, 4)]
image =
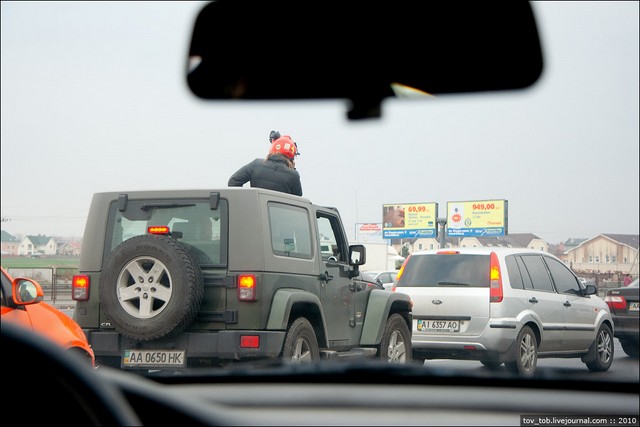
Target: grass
[(24, 262)]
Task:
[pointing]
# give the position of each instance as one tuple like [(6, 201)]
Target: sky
[(94, 98)]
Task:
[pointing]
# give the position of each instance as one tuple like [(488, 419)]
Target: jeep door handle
[(533, 300), (325, 277), (567, 304)]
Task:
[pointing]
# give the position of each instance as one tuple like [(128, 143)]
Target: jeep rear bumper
[(200, 347)]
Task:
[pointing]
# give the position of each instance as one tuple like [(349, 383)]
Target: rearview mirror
[(364, 53)]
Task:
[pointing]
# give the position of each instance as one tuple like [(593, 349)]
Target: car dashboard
[(327, 393)]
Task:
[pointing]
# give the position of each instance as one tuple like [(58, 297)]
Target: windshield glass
[(96, 99)]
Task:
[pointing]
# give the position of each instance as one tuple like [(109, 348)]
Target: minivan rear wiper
[(447, 283)]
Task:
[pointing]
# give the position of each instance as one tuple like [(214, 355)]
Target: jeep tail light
[(162, 230), (247, 287), (616, 302), (495, 279), (249, 341), (80, 288)]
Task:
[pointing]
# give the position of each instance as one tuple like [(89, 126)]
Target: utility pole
[(442, 222)]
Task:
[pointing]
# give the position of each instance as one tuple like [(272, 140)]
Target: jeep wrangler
[(193, 278)]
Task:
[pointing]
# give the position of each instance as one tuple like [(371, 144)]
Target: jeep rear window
[(290, 231), (191, 222), (446, 270)]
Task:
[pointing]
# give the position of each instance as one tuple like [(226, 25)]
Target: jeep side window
[(328, 247), (331, 239), (290, 231), (563, 278)]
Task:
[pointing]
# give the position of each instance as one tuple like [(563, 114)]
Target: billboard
[(367, 232), (478, 218), (409, 220)]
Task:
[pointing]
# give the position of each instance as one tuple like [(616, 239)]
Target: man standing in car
[(276, 172)]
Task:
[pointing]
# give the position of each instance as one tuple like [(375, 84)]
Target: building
[(38, 246), (69, 248), (572, 243), (523, 240), (10, 244), (605, 253)]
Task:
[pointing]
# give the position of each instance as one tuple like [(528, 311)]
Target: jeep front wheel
[(300, 343), (151, 287), (395, 346)]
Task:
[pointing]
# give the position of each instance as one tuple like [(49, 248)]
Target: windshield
[(96, 98)]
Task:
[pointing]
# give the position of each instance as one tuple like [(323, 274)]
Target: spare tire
[(151, 287)]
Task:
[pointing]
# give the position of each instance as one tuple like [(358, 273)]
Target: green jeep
[(193, 278)]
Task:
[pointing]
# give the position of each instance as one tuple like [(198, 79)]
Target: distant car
[(386, 278), (623, 303), (504, 305), (22, 304), (328, 249)]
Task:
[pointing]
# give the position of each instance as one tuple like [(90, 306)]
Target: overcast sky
[(94, 98)]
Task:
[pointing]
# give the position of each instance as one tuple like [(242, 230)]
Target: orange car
[(22, 303)]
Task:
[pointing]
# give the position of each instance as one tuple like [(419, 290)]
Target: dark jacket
[(272, 173)]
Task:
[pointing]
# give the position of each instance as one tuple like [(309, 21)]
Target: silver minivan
[(504, 305)]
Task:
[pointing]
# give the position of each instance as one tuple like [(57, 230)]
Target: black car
[(623, 303)]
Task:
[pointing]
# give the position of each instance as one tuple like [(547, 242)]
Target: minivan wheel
[(603, 348), (526, 354), (300, 343)]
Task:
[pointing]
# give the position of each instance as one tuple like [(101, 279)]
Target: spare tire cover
[(151, 287)]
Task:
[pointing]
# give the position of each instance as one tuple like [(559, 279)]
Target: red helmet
[(284, 145)]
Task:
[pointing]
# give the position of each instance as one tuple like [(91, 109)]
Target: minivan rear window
[(446, 270)]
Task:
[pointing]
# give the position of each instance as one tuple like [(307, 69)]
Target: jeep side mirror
[(357, 255)]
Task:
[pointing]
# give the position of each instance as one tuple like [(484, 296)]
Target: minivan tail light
[(395, 282), (247, 287), (80, 288), (495, 279)]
